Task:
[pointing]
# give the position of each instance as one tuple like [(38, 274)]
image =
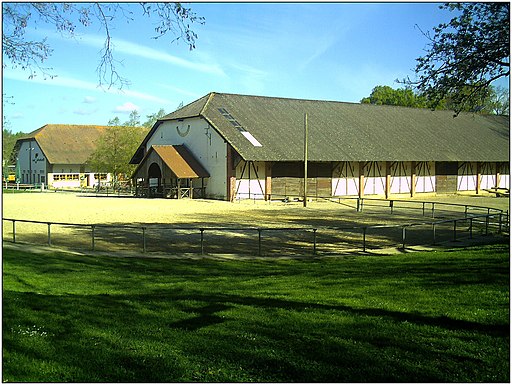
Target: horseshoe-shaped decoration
[(182, 132)]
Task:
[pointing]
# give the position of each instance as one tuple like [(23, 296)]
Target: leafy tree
[(134, 119), (496, 101), (395, 97), (499, 102), (115, 149), (114, 122), (9, 152), (465, 55), (30, 55), (152, 118)]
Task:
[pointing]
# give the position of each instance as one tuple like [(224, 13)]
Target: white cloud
[(89, 100), (127, 108), (60, 81), (138, 50), (181, 91), (84, 112)]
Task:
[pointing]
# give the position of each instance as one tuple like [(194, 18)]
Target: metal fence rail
[(253, 240)]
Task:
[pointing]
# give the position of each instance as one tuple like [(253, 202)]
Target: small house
[(56, 155)]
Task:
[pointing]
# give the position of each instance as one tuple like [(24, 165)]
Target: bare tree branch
[(171, 18)]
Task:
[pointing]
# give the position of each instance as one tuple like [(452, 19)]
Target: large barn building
[(56, 155), (229, 146)]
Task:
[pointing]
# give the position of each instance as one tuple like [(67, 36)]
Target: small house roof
[(67, 143), (272, 129)]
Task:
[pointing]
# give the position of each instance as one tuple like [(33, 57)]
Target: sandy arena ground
[(157, 213), (76, 208)]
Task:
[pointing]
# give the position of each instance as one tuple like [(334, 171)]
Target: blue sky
[(325, 51)]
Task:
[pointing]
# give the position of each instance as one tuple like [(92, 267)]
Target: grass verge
[(419, 317)]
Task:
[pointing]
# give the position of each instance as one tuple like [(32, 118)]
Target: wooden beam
[(498, 169), (361, 179), (230, 174), (413, 179), (268, 180), (478, 177), (305, 160), (388, 179)]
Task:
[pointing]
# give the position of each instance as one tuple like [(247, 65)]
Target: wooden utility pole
[(305, 159)]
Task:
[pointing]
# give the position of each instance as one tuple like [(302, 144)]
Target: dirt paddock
[(174, 225)]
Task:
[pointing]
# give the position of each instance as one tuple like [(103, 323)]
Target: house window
[(57, 177)]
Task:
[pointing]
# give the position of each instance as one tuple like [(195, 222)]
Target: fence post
[(364, 239), (487, 225), (433, 209), (13, 231), (500, 219), (259, 242), (465, 211), (434, 232), (314, 241), (202, 239), (423, 209), (455, 230), (403, 237), (391, 206), (49, 235), (92, 236), (470, 228), (143, 239)]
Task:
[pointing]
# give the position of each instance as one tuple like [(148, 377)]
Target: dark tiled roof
[(349, 131), (68, 143)]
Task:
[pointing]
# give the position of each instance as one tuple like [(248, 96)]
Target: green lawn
[(416, 317)]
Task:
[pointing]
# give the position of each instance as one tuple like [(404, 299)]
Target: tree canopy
[(465, 55), (496, 101), (134, 119), (114, 150), (395, 97), (168, 18), (117, 146)]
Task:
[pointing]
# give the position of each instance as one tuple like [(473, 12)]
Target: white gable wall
[(204, 142), (31, 163)]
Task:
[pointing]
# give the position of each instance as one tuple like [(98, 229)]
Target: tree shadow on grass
[(175, 336), (178, 323)]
